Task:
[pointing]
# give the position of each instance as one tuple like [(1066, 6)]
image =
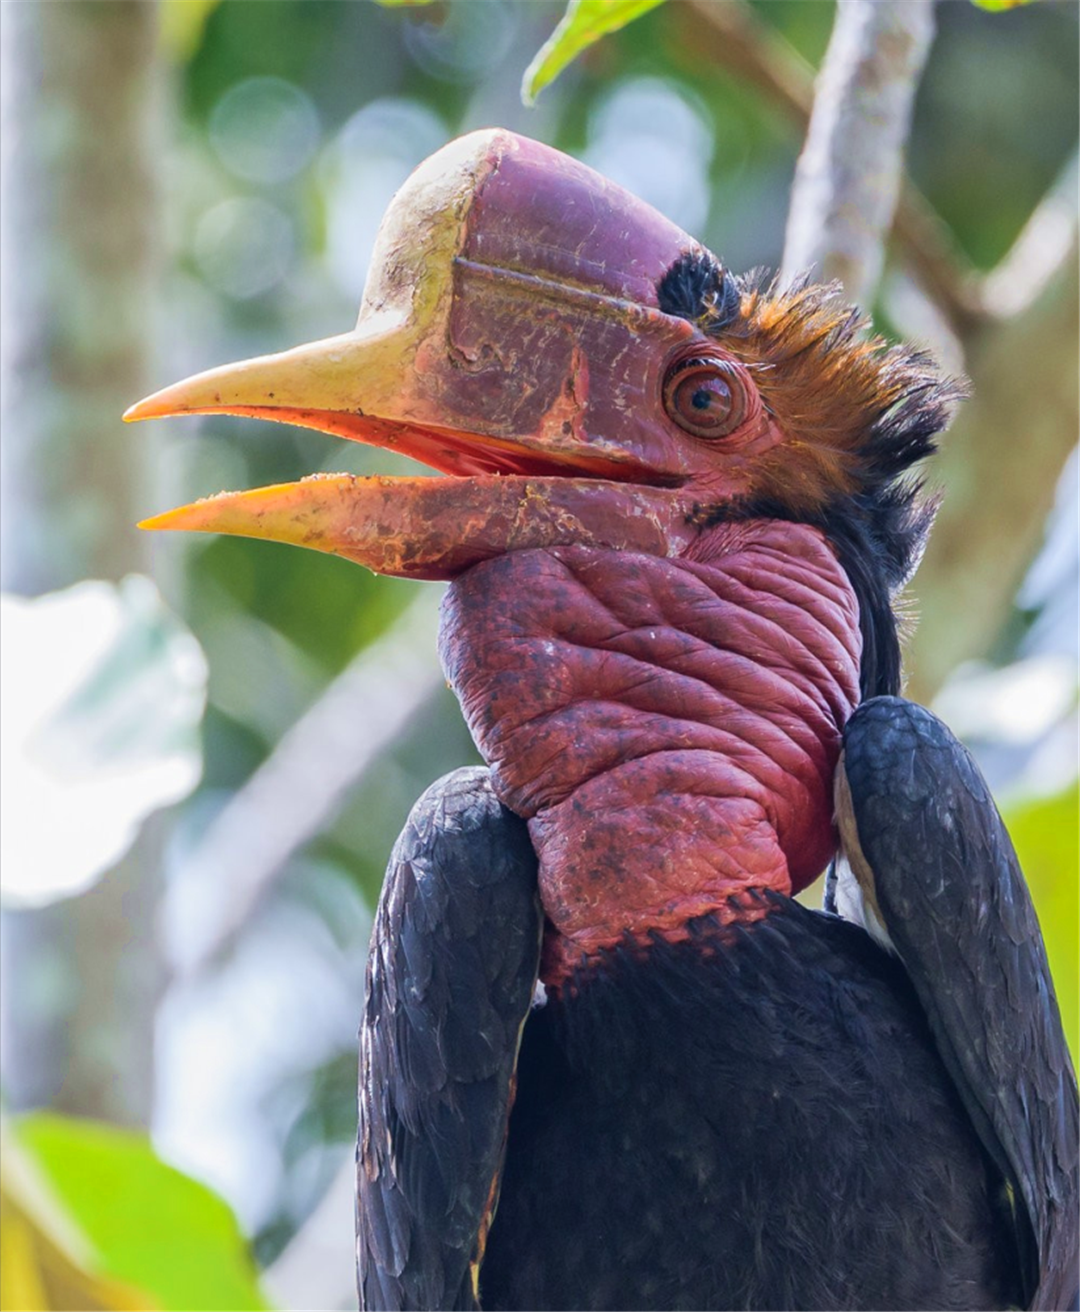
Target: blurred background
[(210, 745)]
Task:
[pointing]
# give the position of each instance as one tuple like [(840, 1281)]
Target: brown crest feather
[(856, 410)]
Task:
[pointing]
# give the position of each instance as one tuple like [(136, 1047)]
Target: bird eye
[(706, 397)]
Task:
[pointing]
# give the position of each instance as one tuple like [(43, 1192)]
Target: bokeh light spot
[(370, 158), (244, 247), (462, 42), (264, 130), (651, 139)]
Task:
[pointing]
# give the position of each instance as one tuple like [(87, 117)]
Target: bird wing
[(453, 965), (935, 865)]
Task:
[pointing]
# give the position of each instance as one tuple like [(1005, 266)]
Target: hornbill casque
[(607, 1061)]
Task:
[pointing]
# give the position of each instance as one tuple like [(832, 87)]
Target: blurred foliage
[(585, 22), (182, 24), (1046, 834), (94, 1219), (103, 732)]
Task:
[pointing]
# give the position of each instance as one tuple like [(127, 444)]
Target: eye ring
[(706, 397)]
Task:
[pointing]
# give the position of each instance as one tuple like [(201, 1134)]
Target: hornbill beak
[(510, 336)]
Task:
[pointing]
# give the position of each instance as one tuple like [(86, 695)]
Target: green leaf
[(584, 23), (1046, 834), (996, 6), (403, 4), (96, 1208), (181, 27), (45, 1259)]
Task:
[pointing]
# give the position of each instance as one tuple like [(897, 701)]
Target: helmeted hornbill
[(607, 1061)]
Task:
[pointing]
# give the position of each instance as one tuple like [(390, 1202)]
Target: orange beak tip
[(144, 409), (159, 405), (195, 517), (166, 520)]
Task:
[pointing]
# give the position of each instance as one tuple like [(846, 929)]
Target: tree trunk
[(79, 224)]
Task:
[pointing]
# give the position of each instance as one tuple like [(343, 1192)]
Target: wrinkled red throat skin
[(669, 728)]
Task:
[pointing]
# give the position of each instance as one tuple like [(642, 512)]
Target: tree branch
[(733, 37), (848, 176), (1036, 257)]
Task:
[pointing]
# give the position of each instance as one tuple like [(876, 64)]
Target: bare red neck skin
[(669, 728)]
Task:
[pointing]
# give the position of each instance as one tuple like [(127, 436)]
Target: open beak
[(497, 343)]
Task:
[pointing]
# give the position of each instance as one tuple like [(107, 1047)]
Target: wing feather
[(923, 837), (453, 963)]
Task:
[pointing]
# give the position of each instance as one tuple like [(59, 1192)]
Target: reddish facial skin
[(661, 695), (669, 729)]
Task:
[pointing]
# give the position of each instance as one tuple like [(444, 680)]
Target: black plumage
[(757, 1118), (942, 871), (454, 956), (772, 1114)]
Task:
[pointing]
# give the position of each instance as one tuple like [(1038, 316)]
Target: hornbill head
[(584, 372), (666, 716)]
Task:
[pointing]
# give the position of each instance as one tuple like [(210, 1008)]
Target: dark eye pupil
[(705, 397), (711, 398)]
